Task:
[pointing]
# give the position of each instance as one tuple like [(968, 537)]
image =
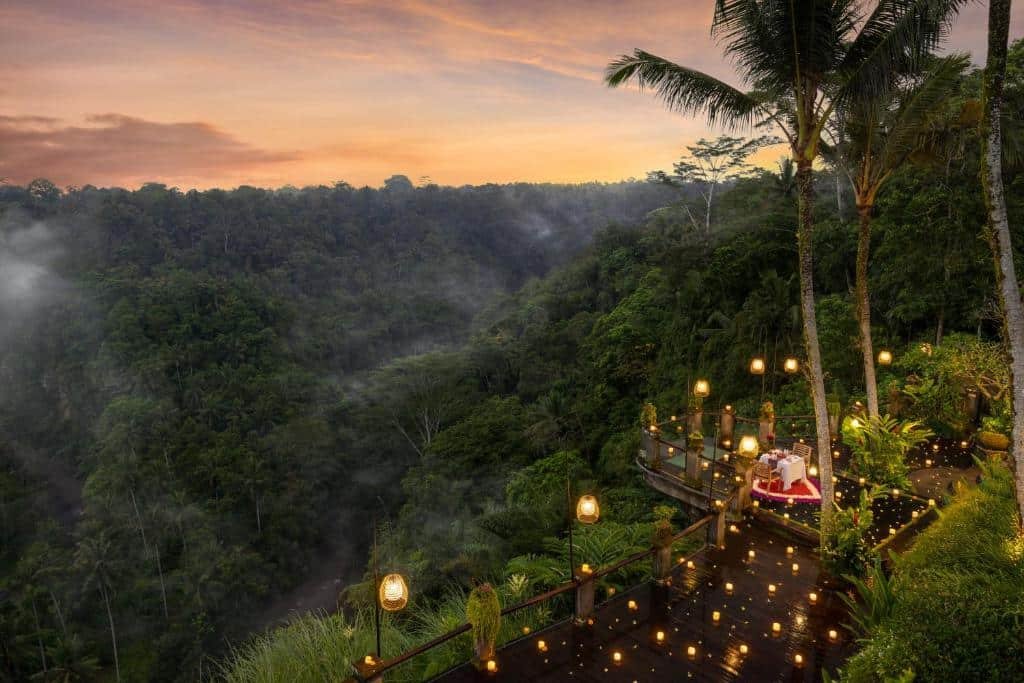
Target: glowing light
[(757, 366), (702, 388), (785, 515), (617, 657), (914, 514), (368, 660), (791, 365), (587, 510), (839, 494), (660, 636), (885, 357), (798, 659), (855, 423), (757, 504), (586, 569), (771, 589), (542, 646), (935, 447), (796, 567), (691, 651), (813, 471), (690, 564), (862, 481), (833, 635), (744, 649), (492, 666), (751, 554), (895, 493), (813, 597), (931, 502), (728, 588), (776, 627), (715, 616), (632, 605), (734, 529), (928, 462), (789, 550), (748, 446), (892, 532), (394, 593), (526, 630)]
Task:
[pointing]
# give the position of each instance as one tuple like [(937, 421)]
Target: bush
[(959, 612), (880, 445), (846, 551)]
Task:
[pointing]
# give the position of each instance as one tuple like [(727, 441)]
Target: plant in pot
[(993, 433), (483, 612), (846, 550), (648, 416), (879, 446)]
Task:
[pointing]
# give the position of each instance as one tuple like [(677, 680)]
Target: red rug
[(803, 491)]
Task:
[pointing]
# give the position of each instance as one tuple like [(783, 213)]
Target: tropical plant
[(998, 227), (802, 60), (874, 602), (845, 548), (876, 135), (483, 612), (880, 445)]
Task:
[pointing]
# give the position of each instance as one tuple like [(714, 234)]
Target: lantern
[(885, 357), (394, 594), (748, 446), (791, 365), (702, 388), (587, 510), (757, 366)]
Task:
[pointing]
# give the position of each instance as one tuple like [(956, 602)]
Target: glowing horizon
[(226, 93)]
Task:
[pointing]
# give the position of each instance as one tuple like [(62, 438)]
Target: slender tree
[(998, 227), (801, 59), (875, 137), (93, 558)]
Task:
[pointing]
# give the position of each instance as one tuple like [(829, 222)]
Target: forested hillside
[(185, 418)]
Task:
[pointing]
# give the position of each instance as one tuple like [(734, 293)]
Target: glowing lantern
[(776, 628), (691, 651), (702, 388), (748, 446), (791, 365), (617, 657), (813, 597), (885, 357), (744, 649), (542, 646), (587, 510), (798, 659), (715, 616), (757, 366), (833, 635), (660, 636), (394, 594), (492, 666)]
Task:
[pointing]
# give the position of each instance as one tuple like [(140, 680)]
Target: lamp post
[(391, 593), (587, 511)]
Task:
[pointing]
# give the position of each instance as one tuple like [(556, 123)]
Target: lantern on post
[(791, 365), (702, 388), (393, 593), (757, 366), (587, 509), (885, 357), (748, 446)]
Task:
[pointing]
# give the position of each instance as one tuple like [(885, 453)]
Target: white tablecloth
[(791, 468)]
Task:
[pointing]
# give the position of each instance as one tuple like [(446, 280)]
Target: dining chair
[(765, 473), (804, 451)]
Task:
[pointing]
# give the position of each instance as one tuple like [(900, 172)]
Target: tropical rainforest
[(209, 397)]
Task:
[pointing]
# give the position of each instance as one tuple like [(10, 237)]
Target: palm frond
[(685, 90)]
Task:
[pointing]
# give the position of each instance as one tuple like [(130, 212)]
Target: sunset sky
[(223, 93)]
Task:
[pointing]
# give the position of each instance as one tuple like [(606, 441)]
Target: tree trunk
[(815, 375), (839, 196), (998, 226), (707, 214), (160, 573), (864, 307), (39, 637), (113, 632)]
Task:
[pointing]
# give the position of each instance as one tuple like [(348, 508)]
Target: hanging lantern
[(394, 594), (791, 365), (701, 388), (587, 510), (748, 446), (757, 366), (885, 357)]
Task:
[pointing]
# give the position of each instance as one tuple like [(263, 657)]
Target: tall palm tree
[(998, 228), (801, 59), (875, 137), (93, 559)]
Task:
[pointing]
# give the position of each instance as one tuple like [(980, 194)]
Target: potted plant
[(483, 612), (766, 423), (846, 551), (661, 539), (648, 416), (993, 433)]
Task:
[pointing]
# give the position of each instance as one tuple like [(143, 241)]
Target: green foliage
[(875, 601), (648, 415), (959, 595), (483, 612), (845, 548), (880, 445)]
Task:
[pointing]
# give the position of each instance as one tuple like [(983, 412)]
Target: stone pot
[(994, 441)]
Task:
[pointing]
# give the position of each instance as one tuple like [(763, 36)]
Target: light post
[(587, 511)]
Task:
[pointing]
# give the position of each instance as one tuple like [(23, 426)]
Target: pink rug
[(803, 491)]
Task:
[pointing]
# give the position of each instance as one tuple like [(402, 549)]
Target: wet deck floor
[(684, 611)]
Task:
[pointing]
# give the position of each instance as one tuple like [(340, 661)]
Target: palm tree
[(998, 228), (877, 136), (801, 59), (92, 558)]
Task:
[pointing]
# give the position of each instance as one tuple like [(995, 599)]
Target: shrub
[(880, 445), (959, 612), (483, 612), (846, 551)]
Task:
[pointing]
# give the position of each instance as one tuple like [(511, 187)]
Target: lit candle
[(862, 481), (691, 651), (492, 666), (895, 493), (789, 501), (690, 564), (813, 597), (796, 567), (632, 605), (833, 635), (771, 589), (728, 588), (813, 471), (776, 627), (931, 502), (785, 515), (585, 568), (542, 646), (892, 532), (750, 554), (963, 444), (733, 528), (660, 636), (799, 620), (744, 649), (798, 659), (526, 630), (935, 447), (789, 550), (928, 462), (368, 659), (757, 503), (914, 514), (715, 616), (617, 657), (839, 494)]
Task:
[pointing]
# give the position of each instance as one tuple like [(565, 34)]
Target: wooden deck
[(684, 612)]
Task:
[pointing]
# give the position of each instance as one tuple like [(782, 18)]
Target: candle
[(750, 554), (914, 514), (839, 494), (833, 635), (542, 646), (928, 462), (813, 597), (785, 515), (660, 636), (690, 564), (585, 568), (715, 616), (789, 550), (796, 567), (744, 649), (799, 620), (776, 627), (492, 666), (757, 503), (728, 588), (617, 657), (368, 659), (895, 493), (892, 532), (798, 659), (862, 481), (931, 502), (526, 630), (691, 651), (771, 589), (631, 605), (733, 528)]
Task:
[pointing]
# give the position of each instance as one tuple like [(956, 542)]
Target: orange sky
[(229, 92)]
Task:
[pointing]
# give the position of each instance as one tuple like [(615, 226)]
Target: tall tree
[(801, 59), (876, 136), (998, 227)]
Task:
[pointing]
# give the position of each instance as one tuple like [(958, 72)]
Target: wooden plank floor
[(684, 611)]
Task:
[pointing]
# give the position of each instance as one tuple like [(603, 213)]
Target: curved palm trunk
[(998, 225), (864, 307), (815, 376)]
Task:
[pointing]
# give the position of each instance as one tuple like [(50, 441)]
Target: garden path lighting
[(748, 446), (757, 366), (702, 388), (885, 357), (791, 366)]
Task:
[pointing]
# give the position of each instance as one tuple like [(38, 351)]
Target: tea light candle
[(931, 502), (734, 529), (690, 564), (691, 651), (799, 620), (492, 666), (728, 588), (813, 597), (771, 589), (935, 447), (789, 550), (542, 646), (785, 515), (833, 635), (617, 657), (660, 636), (776, 627), (813, 471), (798, 659), (928, 462), (757, 504), (368, 660), (526, 630), (895, 493), (631, 605), (744, 649), (914, 514), (750, 554), (862, 481), (585, 568), (796, 567), (715, 616), (892, 532)]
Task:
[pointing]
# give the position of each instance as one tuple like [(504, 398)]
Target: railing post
[(717, 526), (662, 570), (367, 672), (584, 608), (726, 427)]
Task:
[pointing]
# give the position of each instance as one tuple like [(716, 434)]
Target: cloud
[(113, 149)]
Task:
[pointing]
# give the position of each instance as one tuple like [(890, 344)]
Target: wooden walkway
[(685, 613)]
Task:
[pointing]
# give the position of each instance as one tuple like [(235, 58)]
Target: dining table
[(791, 468)]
